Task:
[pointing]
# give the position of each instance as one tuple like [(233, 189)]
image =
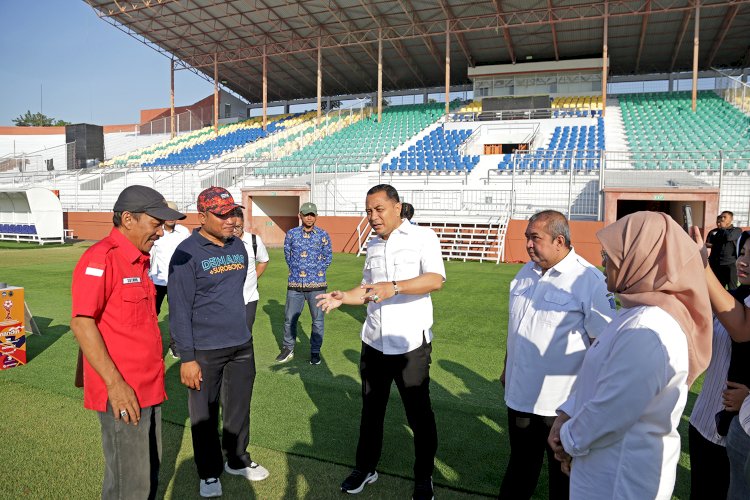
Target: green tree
[(38, 120)]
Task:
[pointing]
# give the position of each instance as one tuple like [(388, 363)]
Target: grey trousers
[(132, 454)]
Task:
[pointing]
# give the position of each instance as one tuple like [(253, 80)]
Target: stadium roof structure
[(644, 36)]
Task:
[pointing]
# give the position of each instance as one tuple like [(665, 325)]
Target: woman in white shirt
[(619, 426)]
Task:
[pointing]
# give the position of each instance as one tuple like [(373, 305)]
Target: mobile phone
[(687, 216)]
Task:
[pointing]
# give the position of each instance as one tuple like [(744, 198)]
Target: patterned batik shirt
[(308, 255)]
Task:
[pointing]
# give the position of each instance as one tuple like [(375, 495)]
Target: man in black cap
[(114, 321), (207, 320)]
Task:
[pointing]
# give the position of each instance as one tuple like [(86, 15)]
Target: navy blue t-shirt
[(206, 306)]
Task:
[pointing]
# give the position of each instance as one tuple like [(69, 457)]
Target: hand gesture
[(330, 301)]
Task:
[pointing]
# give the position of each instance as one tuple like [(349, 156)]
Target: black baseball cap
[(142, 199)]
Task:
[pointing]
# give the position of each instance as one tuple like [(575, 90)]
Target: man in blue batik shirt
[(307, 250)]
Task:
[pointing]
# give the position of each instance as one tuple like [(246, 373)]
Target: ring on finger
[(123, 413), (375, 298)]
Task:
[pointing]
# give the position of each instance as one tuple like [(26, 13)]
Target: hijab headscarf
[(660, 265)]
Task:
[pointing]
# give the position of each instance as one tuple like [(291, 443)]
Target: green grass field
[(304, 420)]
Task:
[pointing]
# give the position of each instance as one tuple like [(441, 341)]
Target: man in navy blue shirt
[(207, 320)]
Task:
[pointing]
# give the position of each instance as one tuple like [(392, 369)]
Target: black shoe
[(315, 358), (423, 490), (285, 355), (357, 480)]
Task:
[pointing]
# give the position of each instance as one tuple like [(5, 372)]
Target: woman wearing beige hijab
[(619, 426)]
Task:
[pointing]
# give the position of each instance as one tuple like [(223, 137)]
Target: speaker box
[(89, 144)]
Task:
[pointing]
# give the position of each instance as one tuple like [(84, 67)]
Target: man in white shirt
[(404, 264), (558, 304), (161, 253), (256, 253)]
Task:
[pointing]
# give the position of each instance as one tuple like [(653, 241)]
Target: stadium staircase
[(482, 241)]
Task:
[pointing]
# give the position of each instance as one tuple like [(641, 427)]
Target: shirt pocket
[(134, 306), (557, 307), (406, 265), (375, 269)]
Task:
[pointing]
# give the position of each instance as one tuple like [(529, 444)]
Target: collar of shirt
[(129, 251), (561, 267)]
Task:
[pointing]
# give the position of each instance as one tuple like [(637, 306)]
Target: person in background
[(307, 250), (619, 425), (404, 265), (723, 244), (257, 255), (558, 305), (161, 253), (217, 359), (114, 321), (407, 211)]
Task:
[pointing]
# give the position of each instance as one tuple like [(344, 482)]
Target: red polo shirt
[(111, 285)]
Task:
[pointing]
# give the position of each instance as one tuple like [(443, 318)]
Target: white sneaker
[(210, 487), (255, 472)]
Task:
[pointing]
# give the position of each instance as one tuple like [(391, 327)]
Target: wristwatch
[(395, 288)]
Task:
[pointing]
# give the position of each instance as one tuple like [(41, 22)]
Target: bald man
[(558, 304)]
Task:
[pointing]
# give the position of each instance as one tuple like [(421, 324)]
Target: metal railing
[(338, 184)]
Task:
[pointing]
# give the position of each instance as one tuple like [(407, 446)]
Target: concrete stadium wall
[(343, 231), (582, 235)]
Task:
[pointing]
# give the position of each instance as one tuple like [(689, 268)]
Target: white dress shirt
[(161, 253), (250, 290), (397, 325), (626, 407), (552, 319)]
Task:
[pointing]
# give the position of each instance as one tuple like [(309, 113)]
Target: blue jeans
[(295, 302), (738, 450)]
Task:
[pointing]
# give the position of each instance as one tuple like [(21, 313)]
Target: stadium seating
[(436, 152), (228, 139), (363, 142), (664, 133), (21, 229), (576, 106), (576, 147)]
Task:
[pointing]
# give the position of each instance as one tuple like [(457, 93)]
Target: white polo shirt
[(250, 290), (161, 253), (552, 319), (396, 325)]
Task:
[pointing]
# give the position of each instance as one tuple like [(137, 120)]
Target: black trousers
[(161, 293), (228, 377), (411, 372), (528, 435), (726, 274), (250, 309), (709, 468)]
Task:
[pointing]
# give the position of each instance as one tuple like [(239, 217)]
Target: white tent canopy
[(33, 214)]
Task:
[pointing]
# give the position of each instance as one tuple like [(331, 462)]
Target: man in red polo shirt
[(114, 321)]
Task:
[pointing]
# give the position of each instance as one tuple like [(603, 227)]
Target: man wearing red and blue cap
[(207, 320)]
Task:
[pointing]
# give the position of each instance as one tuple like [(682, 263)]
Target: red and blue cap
[(216, 200)]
